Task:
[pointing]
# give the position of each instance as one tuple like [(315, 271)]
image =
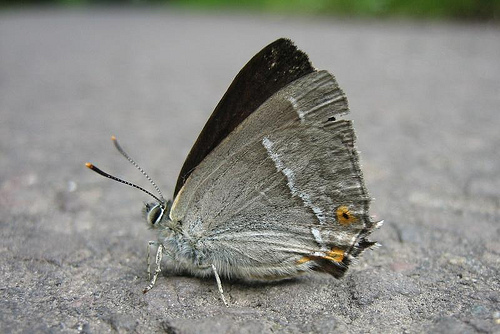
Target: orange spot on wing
[(335, 255), (344, 216), (303, 259)]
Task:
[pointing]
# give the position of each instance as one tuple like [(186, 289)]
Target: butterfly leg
[(219, 284), (150, 243), (159, 255)]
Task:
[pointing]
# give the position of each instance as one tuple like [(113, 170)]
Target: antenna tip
[(113, 138), (89, 165)]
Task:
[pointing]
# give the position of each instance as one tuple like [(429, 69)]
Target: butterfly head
[(156, 212)]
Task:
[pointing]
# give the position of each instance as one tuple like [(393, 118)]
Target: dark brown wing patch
[(267, 72)]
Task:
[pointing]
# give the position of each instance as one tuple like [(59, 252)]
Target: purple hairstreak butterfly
[(272, 187)]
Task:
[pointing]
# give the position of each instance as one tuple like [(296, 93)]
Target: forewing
[(276, 65), (314, 99)]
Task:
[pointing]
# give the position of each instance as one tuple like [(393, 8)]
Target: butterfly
[(272, 188)]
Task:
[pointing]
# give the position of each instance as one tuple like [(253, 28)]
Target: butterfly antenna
[(120, 149), (103, 173)]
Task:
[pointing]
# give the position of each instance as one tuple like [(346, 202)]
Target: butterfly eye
[(155, 214)]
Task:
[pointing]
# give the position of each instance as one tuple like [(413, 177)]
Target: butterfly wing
[(283, 192), (277, 65)]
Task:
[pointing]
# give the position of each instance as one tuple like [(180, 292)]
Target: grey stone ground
[(425, 99)]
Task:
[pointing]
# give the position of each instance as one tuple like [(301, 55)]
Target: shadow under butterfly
[(272, 188)]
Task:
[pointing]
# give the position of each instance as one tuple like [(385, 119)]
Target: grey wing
[(283, 193), (313, 99)]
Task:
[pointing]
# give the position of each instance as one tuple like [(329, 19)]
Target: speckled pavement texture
[(425, 99)]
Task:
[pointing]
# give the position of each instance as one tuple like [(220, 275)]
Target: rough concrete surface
[(425, 99)]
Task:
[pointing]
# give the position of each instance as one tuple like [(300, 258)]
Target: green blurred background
[(475, 10)]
